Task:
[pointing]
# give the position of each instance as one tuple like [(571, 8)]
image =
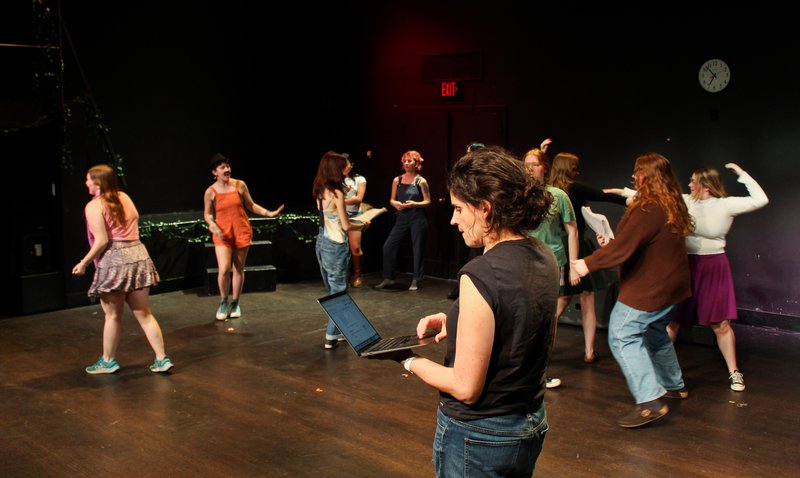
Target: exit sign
[(451, 90)]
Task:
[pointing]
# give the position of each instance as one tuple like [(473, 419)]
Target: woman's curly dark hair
[(492, 174)]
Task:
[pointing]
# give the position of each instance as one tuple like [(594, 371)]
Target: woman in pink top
[(123, 269)]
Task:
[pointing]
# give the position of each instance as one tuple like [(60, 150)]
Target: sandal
[(591, 358)]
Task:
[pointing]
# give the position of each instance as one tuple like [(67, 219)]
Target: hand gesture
[(735, 168), (580, 267), (275, 212), (79, 269), (574, 277), (216, 230), (435, 322), (545, 144)]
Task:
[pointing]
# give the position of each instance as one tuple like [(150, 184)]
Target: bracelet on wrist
[(407, 364)]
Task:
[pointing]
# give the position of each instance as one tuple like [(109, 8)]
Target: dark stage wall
[(177, 81)]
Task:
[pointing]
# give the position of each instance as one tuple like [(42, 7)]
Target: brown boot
[(357, 271)]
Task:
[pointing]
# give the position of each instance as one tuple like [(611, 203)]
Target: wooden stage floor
[(259, 397)]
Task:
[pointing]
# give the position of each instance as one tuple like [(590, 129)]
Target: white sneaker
[(414, 285), (552, 382), (737, 381)]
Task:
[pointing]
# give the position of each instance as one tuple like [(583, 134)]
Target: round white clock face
[(714, 75)]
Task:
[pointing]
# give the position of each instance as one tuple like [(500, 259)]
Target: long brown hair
[(657, 185), (708, 177), (105, 178), (330, 174), (565, 169)]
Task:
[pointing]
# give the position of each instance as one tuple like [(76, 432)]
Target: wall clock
[(714, 75)]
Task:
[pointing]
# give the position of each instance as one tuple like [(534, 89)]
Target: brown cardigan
[(654, 268)]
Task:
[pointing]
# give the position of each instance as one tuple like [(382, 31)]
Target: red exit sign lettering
[(451, 90)]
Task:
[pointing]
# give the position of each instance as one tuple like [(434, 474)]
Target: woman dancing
[(224, 204), (713, 303), (123, 271), (564, 176)]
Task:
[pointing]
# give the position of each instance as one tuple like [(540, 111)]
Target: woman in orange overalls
[(224, 212)]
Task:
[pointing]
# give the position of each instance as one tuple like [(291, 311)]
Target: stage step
[(259, 254), (256, 279)]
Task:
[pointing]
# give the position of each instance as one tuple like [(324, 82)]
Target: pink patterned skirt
[(712, 299), (124, 266)]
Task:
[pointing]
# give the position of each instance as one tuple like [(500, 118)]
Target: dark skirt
[(124, 266), (595, 281), (713, 299)]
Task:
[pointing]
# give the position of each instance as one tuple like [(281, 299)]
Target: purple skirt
[(124, 266), (712, 300)]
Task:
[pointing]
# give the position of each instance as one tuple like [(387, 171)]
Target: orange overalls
[(232, 219)]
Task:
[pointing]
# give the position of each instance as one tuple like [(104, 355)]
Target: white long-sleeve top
[(713, 217)]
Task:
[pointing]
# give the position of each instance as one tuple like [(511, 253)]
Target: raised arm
[(252, 206), (588, 193), (756, 198)]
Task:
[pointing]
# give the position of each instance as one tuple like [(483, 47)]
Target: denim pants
[(507, 445), (644, 351), (333, 258)]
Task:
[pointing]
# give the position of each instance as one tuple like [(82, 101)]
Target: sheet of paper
[(368, 215), (597, 222)]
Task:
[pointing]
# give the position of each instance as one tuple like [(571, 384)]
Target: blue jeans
[(507, 445), (644, 351), (333, 258)]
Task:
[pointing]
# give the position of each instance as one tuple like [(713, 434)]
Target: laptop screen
[(351, 321)]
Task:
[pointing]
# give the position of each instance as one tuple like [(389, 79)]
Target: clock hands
[(713, 75)]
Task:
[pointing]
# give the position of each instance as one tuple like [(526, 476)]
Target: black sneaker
[(331, 344)]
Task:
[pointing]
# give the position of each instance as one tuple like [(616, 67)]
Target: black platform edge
[(214, 270), (254, 243), (259, 279), (766, 319)]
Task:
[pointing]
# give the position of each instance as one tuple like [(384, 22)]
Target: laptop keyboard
[(393, 343)]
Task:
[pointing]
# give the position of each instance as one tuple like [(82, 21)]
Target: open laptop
[(358, 330)]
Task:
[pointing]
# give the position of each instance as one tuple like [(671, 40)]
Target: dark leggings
[(416, 222)]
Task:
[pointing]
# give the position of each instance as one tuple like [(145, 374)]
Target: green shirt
[(551, 230)]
